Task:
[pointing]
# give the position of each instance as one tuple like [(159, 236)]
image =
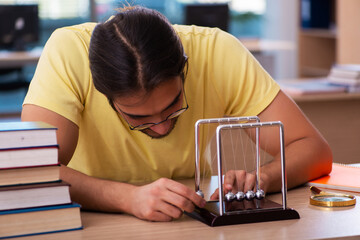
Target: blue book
[(40, 220)]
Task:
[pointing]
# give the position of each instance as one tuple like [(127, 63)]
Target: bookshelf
[(320, 48)]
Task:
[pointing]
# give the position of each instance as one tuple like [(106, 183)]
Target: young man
[(125, 95)]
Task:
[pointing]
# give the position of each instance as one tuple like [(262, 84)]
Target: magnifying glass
[(326, 199)]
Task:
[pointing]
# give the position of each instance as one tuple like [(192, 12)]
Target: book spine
[(41, 233), (25, 126), (28, 167), (44, 208), (28, 148)]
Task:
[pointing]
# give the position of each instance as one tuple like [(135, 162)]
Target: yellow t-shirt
[(223, 79)]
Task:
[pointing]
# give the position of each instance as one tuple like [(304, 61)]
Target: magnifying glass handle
[(315, 190)]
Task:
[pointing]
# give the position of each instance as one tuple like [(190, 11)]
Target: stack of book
[(347, 75), (33, 198), (310, 86)]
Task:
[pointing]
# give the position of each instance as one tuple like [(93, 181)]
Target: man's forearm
[(161, 200), (306, 159), (97, 194)]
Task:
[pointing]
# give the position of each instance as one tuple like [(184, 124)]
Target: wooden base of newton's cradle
[(263, 210)]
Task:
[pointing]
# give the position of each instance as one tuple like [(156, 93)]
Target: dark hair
[(135, 50)]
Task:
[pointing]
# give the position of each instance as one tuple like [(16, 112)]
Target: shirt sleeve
[(62, 77), (245, 88)]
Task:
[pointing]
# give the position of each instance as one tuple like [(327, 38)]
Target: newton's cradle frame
[(245, 210)]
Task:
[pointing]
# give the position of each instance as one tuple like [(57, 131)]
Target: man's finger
[(229, 180), (215, 195), (240, 180), (181, 202), (186, 192), (249, 182), (170, 210)]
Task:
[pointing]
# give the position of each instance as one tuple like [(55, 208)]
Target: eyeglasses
[(171, 116)]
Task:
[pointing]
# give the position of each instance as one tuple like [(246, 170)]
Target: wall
[(281, 22)]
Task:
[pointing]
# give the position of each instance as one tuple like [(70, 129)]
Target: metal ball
[(200, 193), (230, 196), (249, 195), (260, 194), (240, 196)]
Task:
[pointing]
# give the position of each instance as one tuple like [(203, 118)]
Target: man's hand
[(163, 200), (239, 180)]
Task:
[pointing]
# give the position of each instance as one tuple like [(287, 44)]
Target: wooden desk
[(315, 222), (10, 59)]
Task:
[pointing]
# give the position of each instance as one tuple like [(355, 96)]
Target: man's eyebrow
[(176, 99)]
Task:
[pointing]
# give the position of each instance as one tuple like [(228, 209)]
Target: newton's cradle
[(240, 207)]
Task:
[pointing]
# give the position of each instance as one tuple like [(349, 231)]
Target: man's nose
[(162, 128)]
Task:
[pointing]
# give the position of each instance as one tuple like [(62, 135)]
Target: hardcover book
[(28, 157), (34, 195), (28, 175), (40, 220), (26, 134)]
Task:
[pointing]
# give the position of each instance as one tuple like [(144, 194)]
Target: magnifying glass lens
[(325, 199), (332, 198)]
